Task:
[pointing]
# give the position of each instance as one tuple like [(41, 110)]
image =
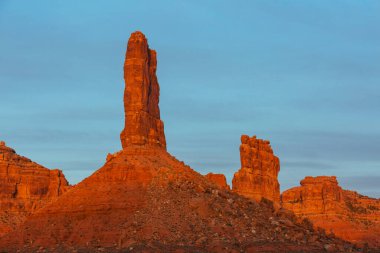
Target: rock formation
[(25, 187), (141, 96), (145, 200), (347, 214), (219, 180), (257, 177)]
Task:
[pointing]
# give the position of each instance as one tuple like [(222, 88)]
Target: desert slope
[(143, 198)]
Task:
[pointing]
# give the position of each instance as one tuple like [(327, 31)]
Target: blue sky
[(303, 74)]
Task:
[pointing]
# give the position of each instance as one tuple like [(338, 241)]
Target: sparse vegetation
[(356, 209), (373, 208)]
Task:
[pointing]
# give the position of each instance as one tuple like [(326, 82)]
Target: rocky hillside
[(143, 198)]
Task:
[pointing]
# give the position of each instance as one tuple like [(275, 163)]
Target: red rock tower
[(141, 96), (257, 177)]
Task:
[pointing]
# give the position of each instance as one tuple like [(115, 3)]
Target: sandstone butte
[(218, 179), (257, 178), (25, 186), (145, 200), (347, 214)]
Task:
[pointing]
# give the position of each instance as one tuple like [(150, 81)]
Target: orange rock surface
[(145, 200), (25, 187), (141, 96), (347, 214), (257, 177), (218, 179)]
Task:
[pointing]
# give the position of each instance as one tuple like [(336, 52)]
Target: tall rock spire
[(141, 96)]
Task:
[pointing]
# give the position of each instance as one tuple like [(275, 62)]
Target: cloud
[(364, 183), (329, 145), (56, 136), (367, 185), (79, 165), (309, 165), (303, 75)]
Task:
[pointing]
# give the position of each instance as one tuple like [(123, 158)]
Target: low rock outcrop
[(347, 214), (218, 179), (25, 186), (257, 177)]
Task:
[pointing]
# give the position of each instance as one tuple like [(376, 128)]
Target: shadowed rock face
[(218, 179), (25, 187), (347, 214), (141, 96), (257, 177)]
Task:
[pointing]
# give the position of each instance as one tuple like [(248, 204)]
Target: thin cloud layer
[(302, 74)]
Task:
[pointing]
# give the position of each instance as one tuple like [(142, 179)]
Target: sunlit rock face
[(316, 195), (218, 179), (347, 214), (25, 186), (141, 96), (258, 175)]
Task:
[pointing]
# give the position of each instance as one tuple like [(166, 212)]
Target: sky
[(303, 74)]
